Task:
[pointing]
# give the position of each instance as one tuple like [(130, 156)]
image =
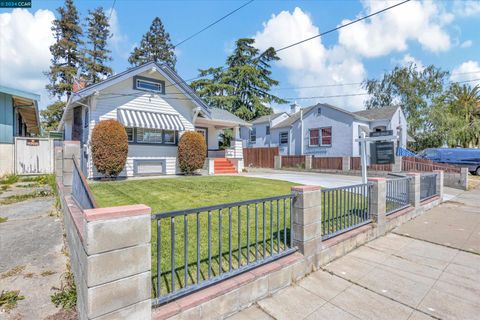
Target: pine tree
[(97, 53), (242, 86), (155, 46), (66, 53), (52, 115)]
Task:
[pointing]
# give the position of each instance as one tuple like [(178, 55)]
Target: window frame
[(135, 141), (133, 134), (174, 134), (321, 137), (160, 131), (280, 138), (253, 133), (157, 82), (310, 137)]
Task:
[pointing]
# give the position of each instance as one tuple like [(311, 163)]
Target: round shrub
[(192, 151), (109, 147)]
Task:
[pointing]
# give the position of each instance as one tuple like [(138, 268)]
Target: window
[(253, 135), (87, 118), (149, 135), (326, 136), (283, 137), (147, 84), (319, 111), (314, 135), (129, 132), (267, 130), (169, 137)]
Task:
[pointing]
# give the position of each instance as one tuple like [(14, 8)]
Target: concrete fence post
[(439, 185), (414, 189), (211, 166), (345, 164), (277, 162), (464, 178), (378, 207), (397, 166), (307, 221), (71, 150), (308, 162), (58, 154)]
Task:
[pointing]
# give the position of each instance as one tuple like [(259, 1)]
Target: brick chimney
[(80, 84)]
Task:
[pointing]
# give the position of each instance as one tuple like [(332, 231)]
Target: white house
[(156, 106), (323, 129)]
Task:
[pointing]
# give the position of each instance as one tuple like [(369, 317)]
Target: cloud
[(392, 30), (311, 63), (466, 8), (25, 40), (119, 41), (409, 59), (467, 71), (466, 44)]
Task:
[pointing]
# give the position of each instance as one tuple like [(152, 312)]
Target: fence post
[(464, 178), (414, 189), (345, 164), (439, 185), (71, 149), (397, 166), (277, 162), (308, 162), (378, 197), (307, 221)]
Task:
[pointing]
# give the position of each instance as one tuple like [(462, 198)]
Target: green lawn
[(169, 194)]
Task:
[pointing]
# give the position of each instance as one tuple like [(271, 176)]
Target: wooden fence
[(422, 165), (259, 157), (356, 164), (332, 163), (293, 161)]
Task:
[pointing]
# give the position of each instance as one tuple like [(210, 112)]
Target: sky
[(328, 68)]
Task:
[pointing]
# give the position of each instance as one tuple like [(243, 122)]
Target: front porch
[(224, 146)]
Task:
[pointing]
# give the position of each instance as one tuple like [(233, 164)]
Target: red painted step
[(223, 166)]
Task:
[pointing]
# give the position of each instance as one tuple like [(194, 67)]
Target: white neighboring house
[(156, 107), (323, 130)]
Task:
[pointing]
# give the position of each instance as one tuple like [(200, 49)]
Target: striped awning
[(146, 119)]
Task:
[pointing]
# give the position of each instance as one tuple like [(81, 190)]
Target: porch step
[(223, 165)]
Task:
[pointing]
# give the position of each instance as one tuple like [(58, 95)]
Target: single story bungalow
[(156, 107), (18, 118), (323, 130)]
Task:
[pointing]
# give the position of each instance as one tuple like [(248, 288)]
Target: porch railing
[(198, 247), (397, 194), (428, 185), (344, 209)]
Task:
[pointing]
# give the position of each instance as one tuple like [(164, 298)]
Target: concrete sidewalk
[(395, 276)]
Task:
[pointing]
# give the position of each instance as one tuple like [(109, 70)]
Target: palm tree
[(465, 104)]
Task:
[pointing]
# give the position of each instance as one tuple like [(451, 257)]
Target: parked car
[(457, 156)]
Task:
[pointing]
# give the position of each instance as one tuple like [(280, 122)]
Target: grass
[(9, 179), (27, 196), (13, 272), (9, 299), (3, 219)]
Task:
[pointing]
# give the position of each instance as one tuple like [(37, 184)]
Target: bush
[(109, 147), (192, 150)]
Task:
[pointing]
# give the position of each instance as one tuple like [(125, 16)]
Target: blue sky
[(444, 33)]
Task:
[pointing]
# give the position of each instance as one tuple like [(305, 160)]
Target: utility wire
[(111, 10), (342, 26), (213, 23)]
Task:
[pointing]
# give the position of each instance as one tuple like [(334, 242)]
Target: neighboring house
[(156, 107), (326, 130), (259, 134), (18, 118)]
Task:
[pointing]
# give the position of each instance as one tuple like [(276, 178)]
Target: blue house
[(18, 118), (323, 130)]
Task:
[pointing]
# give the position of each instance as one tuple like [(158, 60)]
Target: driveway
[(395, 276)]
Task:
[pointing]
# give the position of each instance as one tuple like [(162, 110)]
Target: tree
[(52, 115), (155, 46), (109, 147), (243, 86), (66, 53), (417, 91), (96, 52)]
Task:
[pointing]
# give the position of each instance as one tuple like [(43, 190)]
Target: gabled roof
[(267, 118), (163, 69), (385, 113), (224, 115)]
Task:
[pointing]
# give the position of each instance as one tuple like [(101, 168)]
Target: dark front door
[(77, 129)]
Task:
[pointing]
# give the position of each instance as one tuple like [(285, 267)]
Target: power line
[(342, 26), (111, 10), (213, 23)]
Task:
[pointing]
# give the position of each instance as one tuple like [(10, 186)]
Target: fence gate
[(33, 155)]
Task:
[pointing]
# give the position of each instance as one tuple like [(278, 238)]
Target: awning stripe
[(146, 119)]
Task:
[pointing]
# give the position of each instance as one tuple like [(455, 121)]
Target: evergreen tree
[(155, 46), (97, 53), (52, 115), (242, 86), (66, 53)]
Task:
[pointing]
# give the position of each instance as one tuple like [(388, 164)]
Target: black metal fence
[(198, 247), (397, 194), (428, 185), (345, 208)]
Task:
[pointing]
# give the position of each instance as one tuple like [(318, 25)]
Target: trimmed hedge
[(192, 150), (109, 147)]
